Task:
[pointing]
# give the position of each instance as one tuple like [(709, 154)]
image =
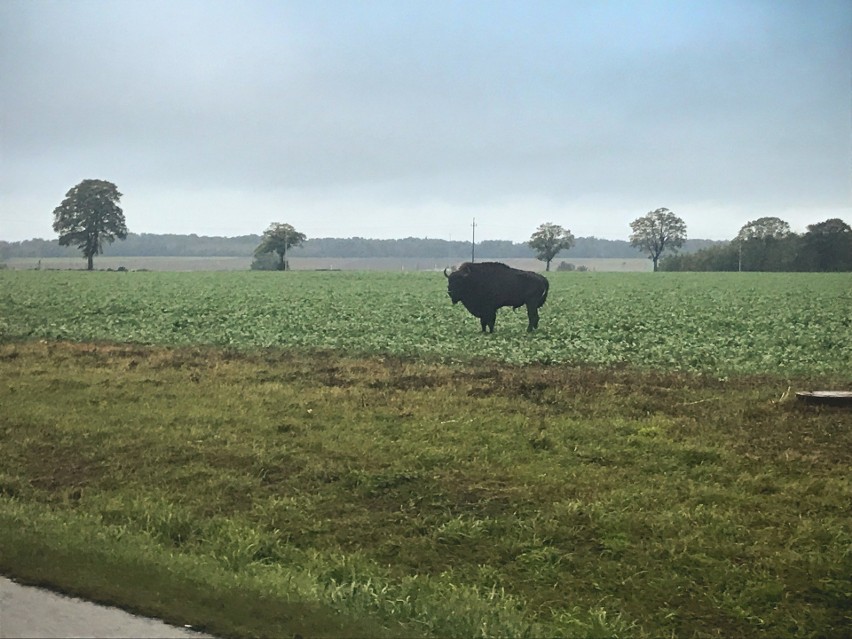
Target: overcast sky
[(402, 118)]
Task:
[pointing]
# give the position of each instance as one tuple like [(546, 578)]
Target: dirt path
[(35, 612)]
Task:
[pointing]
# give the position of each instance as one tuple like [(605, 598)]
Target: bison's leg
[(487, 321), (532, 313)]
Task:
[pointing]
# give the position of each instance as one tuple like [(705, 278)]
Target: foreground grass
[(273, 493)]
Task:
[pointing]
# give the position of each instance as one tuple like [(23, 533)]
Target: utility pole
[(473, 242)]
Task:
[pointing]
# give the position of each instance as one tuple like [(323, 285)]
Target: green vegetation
[(337, 454), (277, 239), (784, 325), (767, 245), (88, 217), (548, 240), (656, 232)]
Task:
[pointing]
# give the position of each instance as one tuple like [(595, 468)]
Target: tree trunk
[(90, 263), (655, 263), (547, 266)]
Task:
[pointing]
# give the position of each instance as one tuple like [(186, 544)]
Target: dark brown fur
[(486, 286)]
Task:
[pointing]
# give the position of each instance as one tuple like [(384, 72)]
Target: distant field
[(310, 264)]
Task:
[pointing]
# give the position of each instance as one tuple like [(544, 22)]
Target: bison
[(486, 286)]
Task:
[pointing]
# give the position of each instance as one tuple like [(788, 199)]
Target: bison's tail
[(544, 294)]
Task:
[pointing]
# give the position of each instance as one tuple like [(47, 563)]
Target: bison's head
[(456, 283)]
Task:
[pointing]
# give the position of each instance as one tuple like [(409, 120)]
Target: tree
[(827, 246), (548, 240), (764, 227), (719, 257), (88, 216), (759, 240), (264, 262), (657, 231), (279, 238)]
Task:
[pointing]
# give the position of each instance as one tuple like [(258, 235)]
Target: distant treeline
[(826, 247), (154, 245)]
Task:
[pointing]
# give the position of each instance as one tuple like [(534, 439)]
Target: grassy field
[(778, 324), (339, 454)]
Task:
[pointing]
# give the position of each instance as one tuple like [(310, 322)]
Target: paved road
[(35, 612)]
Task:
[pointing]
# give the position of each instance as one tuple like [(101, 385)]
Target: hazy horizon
[(361, 237)]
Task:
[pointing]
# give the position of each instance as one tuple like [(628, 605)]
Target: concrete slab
[(38, 613)]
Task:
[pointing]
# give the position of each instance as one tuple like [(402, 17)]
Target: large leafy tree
[(89, 216), (279, 238), (827, 246), (657, 231), (763, 228), (760, 244), (548, 240)]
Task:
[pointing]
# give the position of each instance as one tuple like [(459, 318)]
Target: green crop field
[(777, 324), (344, 454)]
